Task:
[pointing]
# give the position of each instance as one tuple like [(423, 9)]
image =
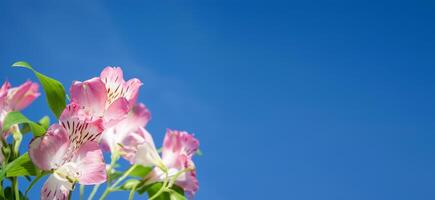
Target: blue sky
[(290, 100)]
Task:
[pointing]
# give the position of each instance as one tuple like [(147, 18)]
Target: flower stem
[(124, 176), (130, 197), (162, 189), (15, 188), (82, 191), (94, 191)]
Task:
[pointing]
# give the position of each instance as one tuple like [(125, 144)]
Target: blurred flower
[(126, 135), (16, 98), (108, 96), (177, 152), (71, 151)]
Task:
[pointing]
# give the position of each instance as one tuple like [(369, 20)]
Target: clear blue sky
[(290, 100)]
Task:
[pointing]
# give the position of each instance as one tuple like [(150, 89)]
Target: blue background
[(290, 100)]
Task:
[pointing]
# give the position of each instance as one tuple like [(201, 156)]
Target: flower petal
[(80, 126), (131, 142), (56, 188), (132, 90), (48, 151), (21, 96), (188, 180), (113, 78), (128, 132), (148, 156), (4, 94), (116, 86), (92, 168), (116, 112), (90, 94), (178, 143)]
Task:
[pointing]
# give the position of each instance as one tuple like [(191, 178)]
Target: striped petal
[(116, 86), (80, 126), (56, 188)]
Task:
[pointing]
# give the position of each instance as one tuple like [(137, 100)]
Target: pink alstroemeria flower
[(127, 134), (16, 98), (177, 152), (108, 96), (69, 149)]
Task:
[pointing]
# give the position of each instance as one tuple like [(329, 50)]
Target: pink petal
[(56, 188), (112, 75), (90, 94), (113, 78), (178, 143), (147, 156), (4, 94), (128, 132), (116, 86), (80, 126), (116, 112), (138, 117), (188, 181), (131, 142), (132, 90), (91, 164), (47, 152), (21, 96)]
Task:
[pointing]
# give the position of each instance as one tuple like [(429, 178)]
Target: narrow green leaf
[(140, 171), (54, 90), (22, 166), (18, 118)]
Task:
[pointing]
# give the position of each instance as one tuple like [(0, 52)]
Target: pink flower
[(127, 134), (107, 96), (177, 152), (70, 150), (16, 98)]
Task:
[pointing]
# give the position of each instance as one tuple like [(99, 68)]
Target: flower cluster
[(103, 115)]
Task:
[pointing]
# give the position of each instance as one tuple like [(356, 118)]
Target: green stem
[(2, 194), (82, 191), (114, 159), (124, 176), (162, 189), (15, 188), (130, 197), (33, 183), (94, 191), (106, 192)]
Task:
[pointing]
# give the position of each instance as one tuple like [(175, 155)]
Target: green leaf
[(54, 90), (154, 188), (176, 193), (44, 122), (18, 118), (140, 171), (22, 166)]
